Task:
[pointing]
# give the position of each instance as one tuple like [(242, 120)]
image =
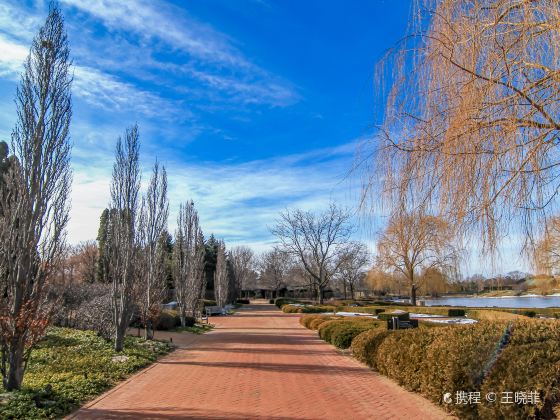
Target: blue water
[(500, 302)]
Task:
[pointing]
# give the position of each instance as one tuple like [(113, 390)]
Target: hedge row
[(466, 358), (339, 331), (315, 309)]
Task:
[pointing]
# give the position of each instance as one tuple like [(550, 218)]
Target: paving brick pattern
[(259, 363)]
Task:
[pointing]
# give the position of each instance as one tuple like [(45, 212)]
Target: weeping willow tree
[(472, 115)]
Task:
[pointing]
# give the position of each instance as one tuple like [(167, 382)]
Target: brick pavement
[(259, 363)]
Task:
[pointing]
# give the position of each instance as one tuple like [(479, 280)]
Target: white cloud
[(168, 24), (237, 201), (12, 57)]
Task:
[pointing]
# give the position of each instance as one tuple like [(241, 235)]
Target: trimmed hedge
[(291, 309), (341, 332), (364, 346), (456, 312)]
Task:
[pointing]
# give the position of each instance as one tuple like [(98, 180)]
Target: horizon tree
[(34, 205), (352, 266), (414, 241), (242, 262), (274, 267), (315, 240)]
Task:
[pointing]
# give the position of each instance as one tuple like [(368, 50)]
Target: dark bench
[(399, 324)]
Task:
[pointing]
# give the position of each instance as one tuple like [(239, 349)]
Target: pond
[(500, 302)]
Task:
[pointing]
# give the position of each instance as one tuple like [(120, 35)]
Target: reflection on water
[(500, 302)]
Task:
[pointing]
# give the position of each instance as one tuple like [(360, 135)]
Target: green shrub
[(379, 310), (525, 367), (279, 302), (343, 335), (400, 355), (530, 314), (340, 332), (316, 323), (403, 316), (271, 301), (456, 312), (243, 301), (290, 309), (208, 302), (364, 346), (307, 319), (168, 320)]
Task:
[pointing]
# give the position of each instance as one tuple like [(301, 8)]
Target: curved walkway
[(259, 363)]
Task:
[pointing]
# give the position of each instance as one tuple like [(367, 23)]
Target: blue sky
[(253, 105)]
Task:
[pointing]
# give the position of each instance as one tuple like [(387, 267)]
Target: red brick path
[(259, 363)]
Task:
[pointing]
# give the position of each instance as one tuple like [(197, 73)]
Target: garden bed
[(70, 367)]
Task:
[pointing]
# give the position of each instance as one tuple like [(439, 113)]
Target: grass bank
[(70, 367)]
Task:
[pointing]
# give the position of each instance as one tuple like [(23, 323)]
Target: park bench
[(214, 310), (399, 324)]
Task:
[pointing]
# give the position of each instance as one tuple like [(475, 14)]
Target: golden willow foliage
[(472, 118)]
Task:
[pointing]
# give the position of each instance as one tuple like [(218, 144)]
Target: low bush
[(364, 346), (167, 320), (316, 323), (310, 309), (456, 312), (279, 302), (531, 362), (243, 301), (530, 314), (271, 301), (495, 356), (340, 332)]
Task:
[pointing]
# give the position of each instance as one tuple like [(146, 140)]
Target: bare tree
[(413, 242), (275, 266), (123, 232), (84, 258), (221, 280), (316, 241), (352, 266), (153, 223), (34, 192), (472, 119), (242, 260), (188, 261)]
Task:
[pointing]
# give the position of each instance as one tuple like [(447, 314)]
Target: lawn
[(70, 367)]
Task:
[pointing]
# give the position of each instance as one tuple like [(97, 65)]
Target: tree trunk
[(413, 295), (120, 332), (16, 367), (320, 294), (149, 331), (351, 292), (344, 285)]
